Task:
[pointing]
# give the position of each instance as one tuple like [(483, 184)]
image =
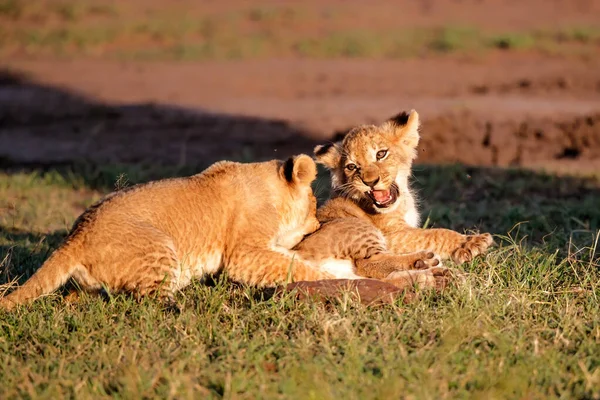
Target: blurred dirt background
[(496, 82)]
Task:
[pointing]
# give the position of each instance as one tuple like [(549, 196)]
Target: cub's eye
[(381, 154), (351, 167)]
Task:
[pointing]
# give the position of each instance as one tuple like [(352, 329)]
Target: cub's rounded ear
[(405, 128), (328, 154), (300, 169)]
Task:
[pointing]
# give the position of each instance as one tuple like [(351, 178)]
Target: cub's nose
[(370, 183)]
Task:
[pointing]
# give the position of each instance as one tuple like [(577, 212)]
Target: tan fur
[(381, 239), (156, 237)]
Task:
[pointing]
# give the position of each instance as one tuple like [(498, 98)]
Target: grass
[(67, 28), (525, 325), (157, 41)]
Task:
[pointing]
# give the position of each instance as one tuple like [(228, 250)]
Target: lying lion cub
[(370, 225), (156, 237)]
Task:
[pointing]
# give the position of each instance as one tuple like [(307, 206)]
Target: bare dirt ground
[(501, 108)]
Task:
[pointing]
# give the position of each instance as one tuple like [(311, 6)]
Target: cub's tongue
[(381, 196)]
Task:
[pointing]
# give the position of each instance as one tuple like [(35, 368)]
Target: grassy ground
[(69, 28), (525, 325)]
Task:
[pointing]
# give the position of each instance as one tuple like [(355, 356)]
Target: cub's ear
[(328, 154), (300, 169), (405, 128)]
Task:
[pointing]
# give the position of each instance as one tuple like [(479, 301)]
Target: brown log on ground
[(367, 291)]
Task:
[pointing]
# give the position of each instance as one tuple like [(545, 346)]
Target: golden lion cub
[(370, 225), (156, 237)]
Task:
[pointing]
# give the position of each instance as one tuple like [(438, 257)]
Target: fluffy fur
[(372, 218), (156, 237)]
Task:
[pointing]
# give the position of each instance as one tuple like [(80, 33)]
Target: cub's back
[(206, 198)]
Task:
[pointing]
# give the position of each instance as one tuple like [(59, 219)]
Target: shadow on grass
[(43, 126), (543, 207), (23, 252)]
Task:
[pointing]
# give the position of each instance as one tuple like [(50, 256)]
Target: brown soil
[(504, 108)]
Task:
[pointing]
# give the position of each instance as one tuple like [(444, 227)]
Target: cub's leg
[(140, 260), (156, 276), (360, 241), (447, 243), (133, 259), (256, 265), (382, 264)]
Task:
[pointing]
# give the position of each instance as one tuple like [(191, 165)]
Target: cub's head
[(299, 172), (371, 164)]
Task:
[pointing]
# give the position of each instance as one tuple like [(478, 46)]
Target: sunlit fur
[(157, 237), (380, 240), (360, 147)]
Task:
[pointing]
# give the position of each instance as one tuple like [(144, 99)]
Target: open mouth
[(383, 198)]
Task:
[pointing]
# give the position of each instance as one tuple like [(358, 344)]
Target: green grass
[(11, 9), (67, 10), (68, 28), (206, 40), (525, 325)]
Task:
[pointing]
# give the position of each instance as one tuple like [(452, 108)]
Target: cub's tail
[(54, 273)]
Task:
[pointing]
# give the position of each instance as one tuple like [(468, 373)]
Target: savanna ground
[(95, 95)]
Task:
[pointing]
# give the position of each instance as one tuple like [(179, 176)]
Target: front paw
[(427, 259), (436, 278), (473, 246), (445, 277), (311, 226)]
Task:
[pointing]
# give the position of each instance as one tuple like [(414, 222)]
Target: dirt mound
[(467, 139)]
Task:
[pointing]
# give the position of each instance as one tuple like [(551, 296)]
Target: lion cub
[(370, 225), (156, 237)]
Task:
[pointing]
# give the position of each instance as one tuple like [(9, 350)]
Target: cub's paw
[(427, 259), (473, 246), (311, 225), (445, 277), (436, 278)]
